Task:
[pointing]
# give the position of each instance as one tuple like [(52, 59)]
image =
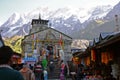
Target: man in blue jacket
[(7, 72)]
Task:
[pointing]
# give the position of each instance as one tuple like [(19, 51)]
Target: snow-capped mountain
[(107, 24), (100, 12), (14, 25), (80, 44), (113, 12), (66, 20)]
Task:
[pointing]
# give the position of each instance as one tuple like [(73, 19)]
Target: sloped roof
[(111, 38), (103, 35), (60, 32), (104, 38), (91, 43), (47, 29), (95, 41)]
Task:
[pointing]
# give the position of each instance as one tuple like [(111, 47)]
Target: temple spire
[(39, 16)]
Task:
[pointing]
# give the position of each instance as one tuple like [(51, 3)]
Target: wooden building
[(82, 57), (106, 50), (103, 52)]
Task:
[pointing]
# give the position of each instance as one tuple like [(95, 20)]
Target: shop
[(105, 53), (82, 57)]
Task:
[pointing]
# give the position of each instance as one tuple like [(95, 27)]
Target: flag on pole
[(61, 41), (34, 40)]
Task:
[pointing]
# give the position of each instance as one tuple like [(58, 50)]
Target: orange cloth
[(106, 57), (93, 55)]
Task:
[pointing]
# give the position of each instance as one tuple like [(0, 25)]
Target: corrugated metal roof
[(96, 40), (103, 35), (91, 43), (111, 38)]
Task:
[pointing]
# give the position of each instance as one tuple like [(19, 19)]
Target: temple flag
[(34, 38), (61, 41)]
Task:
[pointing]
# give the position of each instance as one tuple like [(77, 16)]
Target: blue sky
[(8, 7)]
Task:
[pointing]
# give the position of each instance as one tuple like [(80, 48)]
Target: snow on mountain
[(99, 12), (12, 26), (80, 43), (64, 13), (82, 14), (13, 19), (66, 20), (113, 12)]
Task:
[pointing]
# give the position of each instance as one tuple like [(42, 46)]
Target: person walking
[(6, 71), (61, 53), (30, 66), (44, 63), (62, 76), (51, 68), (72, 68), (27, 72), (38, 71), (79, 72), (51, 54), (66, 71), (45, 74)]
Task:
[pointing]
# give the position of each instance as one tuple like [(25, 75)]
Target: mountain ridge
[(65, 20)]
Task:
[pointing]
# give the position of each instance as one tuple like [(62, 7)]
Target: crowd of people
[(40, 70), (23, 72), (6, 71), (26, 71), (94, 71)]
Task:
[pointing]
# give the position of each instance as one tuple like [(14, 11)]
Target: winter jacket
[(10, 74)]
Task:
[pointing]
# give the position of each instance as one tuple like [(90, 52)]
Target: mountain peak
[(113, 12), (14, 17), (67, 19)]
